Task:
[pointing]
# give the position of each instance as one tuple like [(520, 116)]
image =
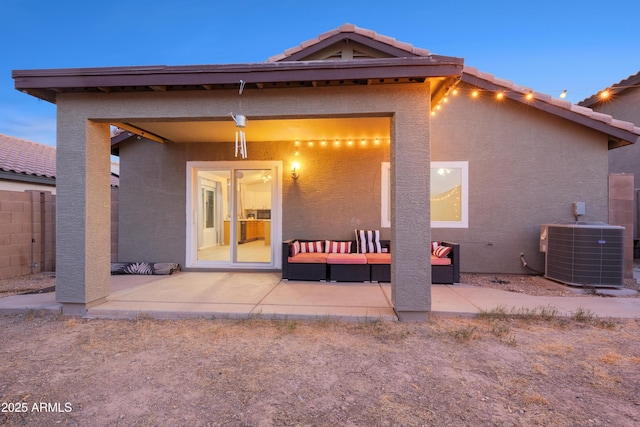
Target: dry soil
[(501, 369)]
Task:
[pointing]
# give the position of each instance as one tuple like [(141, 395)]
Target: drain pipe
[(525, 265)]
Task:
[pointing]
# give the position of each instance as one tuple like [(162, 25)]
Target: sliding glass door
[(233, 211)]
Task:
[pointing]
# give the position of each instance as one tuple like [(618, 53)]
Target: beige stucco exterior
[(526, 168), (530, 158)]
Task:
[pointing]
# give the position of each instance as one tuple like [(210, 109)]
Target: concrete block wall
[(621, 194), (28, 232)]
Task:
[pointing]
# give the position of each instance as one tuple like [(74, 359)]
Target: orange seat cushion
[(346, 259), (378, 258), (309, 258), (440, 261)]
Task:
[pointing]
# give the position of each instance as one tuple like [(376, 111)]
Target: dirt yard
[(501, 369), (532, 369)]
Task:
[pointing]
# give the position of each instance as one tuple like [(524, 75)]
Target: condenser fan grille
[(585, 255)]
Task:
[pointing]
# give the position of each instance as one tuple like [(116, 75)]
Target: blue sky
[(582, 46)]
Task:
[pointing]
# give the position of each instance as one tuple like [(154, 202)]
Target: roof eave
[(31, 179), (46, 84), (618, 136)]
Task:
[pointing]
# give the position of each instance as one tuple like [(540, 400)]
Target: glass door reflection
[(253, 206)]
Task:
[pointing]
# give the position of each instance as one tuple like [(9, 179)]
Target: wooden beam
[(159, 88), (140, 132)]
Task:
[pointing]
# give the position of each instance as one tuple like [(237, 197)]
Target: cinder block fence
[(28, 232)]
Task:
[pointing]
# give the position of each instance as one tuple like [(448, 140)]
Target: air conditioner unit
[(584, 254)]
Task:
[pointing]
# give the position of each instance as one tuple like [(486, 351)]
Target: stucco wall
[(338, 190), (526, 168), (624, 106)]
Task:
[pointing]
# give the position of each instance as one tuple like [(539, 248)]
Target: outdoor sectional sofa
[(325, 265)]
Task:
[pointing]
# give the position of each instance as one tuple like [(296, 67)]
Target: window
[(449, 195)]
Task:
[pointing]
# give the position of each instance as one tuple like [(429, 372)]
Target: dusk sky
[(582, 46)]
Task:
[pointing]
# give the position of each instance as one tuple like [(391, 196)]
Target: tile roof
[(26, 157), (630, 82), (350, 28), (626, 131), (31, 158)]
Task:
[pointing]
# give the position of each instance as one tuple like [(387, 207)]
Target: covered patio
[(182, 133)]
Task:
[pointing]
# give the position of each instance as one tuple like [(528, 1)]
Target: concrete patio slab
[(15, 304), (242, 295), (359, 301)]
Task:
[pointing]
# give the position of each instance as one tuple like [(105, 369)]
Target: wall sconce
[(294, 170)]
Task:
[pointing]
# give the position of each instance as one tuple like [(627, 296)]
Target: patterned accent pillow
[(434, 246), (442, 251), (338, 247), (295, 249), (368, 241), (312, 247)]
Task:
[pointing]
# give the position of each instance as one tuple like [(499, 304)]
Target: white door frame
[(191, 258)]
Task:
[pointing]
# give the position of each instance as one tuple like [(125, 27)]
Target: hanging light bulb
[(563, 94), (605, 94), (529, 96)]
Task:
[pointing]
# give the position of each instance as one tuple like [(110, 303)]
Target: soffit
[(256, 130)]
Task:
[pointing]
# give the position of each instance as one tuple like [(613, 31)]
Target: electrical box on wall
[(579, 208)]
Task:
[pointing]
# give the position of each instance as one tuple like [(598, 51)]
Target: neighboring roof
[(27, 161), (620, 132), (22, 160), (623, 85)]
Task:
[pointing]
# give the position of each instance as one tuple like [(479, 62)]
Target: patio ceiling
[(256, 130)]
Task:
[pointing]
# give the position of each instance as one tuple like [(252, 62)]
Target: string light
[(360, 142), (527, 95)]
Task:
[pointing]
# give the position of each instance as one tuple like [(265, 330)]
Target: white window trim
[(385, 194), (464, 168)]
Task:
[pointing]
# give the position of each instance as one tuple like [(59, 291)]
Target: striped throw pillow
[(294, 249), (338, 247), (442, 251), (312, 247), (434, 246), (368, 241)]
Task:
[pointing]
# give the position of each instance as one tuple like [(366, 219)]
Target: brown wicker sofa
[(356, 267)]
